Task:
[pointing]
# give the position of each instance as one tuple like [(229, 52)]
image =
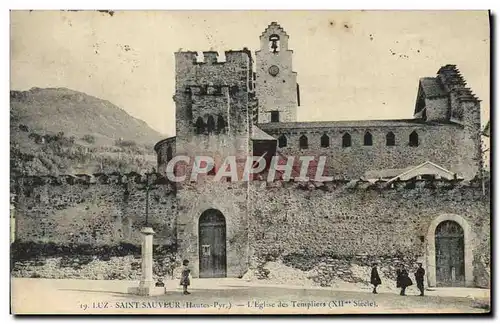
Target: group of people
[(403, 280)]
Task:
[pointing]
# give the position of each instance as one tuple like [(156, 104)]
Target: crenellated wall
[(339, 219)]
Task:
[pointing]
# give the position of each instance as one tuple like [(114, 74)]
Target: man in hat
[(419, 278), (374, 278)]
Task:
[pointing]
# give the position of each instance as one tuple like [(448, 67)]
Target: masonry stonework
[(223, 111)]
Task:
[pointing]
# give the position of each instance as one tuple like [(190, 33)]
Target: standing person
[(375, 279), (419, 278), (398, 275), (404, 280), (185, 282)]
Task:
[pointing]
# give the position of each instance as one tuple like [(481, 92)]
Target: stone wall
[(329, 227), (443, 144), (100, 210), (340, 223)]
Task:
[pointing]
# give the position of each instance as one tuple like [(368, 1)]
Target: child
[(185, 277)]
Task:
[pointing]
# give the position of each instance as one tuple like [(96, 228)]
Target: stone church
[(241, 107), (402, 191)]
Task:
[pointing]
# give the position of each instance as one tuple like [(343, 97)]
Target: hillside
[(56, 131), (76, 113)]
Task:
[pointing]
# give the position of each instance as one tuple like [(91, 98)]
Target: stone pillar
[(147, 257), (146, 285)]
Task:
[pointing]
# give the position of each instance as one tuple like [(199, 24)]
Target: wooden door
[(450, 266), (212, 244)]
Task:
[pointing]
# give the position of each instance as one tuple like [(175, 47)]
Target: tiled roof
[(259, 135), (432, 87)]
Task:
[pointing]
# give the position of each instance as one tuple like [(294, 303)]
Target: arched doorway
[(212, 244), (450, 265)]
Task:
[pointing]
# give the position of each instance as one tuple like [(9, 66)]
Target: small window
[(282, 141), (200, 126), (210, 124), (390, 139), (368, 140), (212, 171), (221, 124), (346, 140), (325, 141), (275, 116), (413, 139), (169, 153), (303, 142)]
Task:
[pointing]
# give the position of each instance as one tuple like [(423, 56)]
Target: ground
[(50, 296)]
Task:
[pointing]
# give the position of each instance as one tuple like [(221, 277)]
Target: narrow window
[(368, 140), (414, 139), (325, 141), (221, 124), (200, 126), (212, 171), (210, 124), (282, 141), (303, 142), (275, 116), (390, 139), (346, 140), (169, 153)]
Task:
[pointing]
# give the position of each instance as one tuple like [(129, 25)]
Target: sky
[(351, 64)]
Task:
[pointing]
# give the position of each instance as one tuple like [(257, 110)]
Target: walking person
[(419, 278), (375, 279), (185, 282)]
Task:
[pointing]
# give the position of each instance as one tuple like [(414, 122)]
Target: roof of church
[(259, 135), (432, 87), (426, 168)]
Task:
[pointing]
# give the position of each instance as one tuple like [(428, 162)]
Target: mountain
[(55, 110), (57, 131)]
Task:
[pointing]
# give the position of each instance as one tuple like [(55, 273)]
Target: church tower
[(276, 83)]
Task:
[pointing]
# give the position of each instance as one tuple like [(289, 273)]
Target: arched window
[(368, 140), (200, 126), (210, 124), (221, 124), (212, 171), (346, 140), (303, 142), (274, 43), (325, 141), (390, 139), (282, 141), (413, 139), (169, 153)]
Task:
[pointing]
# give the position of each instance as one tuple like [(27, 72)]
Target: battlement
[(96, 178), (353, 185), (335, 184), (212, 57)]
